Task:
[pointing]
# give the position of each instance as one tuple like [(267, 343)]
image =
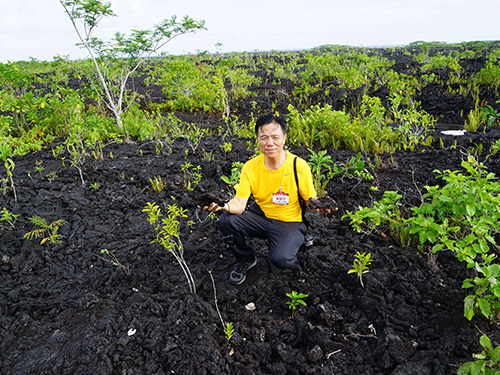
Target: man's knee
[(282, 261)]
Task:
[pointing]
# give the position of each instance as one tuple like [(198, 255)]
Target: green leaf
[(485, 307), (479, 368), (470, 210), (445, 199), (494, 270), (465, 369), (467, 284), (495, 290), (485, 342), (484, 247), (495, 354), (469, 307)]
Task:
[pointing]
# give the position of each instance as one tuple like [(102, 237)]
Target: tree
[(117, 59)]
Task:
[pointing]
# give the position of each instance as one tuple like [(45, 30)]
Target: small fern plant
[(45, 230)]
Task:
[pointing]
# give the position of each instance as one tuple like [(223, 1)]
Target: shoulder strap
[(302, 203)]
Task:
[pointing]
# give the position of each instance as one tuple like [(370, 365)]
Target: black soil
[(65, 309)]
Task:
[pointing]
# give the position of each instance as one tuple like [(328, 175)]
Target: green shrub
[(489, 75), (483, 365), (462, 216), (352, 69), (327, 128), (188, 86)]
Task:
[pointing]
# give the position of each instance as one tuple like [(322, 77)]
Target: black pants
[(284, 238)]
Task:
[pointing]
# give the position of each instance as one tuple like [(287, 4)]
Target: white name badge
[(281, 198)]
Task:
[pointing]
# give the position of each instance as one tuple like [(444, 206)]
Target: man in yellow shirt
[(276, 214)]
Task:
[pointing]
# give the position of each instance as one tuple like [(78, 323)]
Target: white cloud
[(42, 30)]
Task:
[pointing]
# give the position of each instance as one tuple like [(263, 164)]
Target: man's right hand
[(213, 207)]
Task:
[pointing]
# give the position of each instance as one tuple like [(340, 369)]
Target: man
[(276, 214)]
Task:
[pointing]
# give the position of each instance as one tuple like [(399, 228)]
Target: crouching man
[(276, 214)]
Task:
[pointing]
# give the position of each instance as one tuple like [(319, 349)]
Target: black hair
[(269, 119)]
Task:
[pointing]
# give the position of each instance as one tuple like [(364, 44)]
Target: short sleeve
[(244, 188), (306, 185)]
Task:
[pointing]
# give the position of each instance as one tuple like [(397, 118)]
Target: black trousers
[(284, 238)]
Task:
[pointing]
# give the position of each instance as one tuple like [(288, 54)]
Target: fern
[(45, 229)]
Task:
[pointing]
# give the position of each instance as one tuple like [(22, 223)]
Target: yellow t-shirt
[(262, 183)]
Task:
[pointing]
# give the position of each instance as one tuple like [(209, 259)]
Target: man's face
[(271, 140)]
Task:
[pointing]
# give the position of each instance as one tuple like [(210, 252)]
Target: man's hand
[(234, 206), (322, 205), (325, 210), (214, 207)]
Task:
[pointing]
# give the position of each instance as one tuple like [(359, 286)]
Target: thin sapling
[(168, 234), (124, 54), (111, 258)]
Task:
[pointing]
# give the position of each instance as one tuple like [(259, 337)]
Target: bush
[(463, 216), (338, 130)]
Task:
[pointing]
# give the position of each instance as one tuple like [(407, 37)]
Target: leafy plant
[(226, 147), (385, 216), (77, 152), (157, 184), (45, 229), (354, 167), (188, 86), (9, 217), (296, 300), (360, 265), (486, 289), (51, 176), (168, 235), (234, 179), (351, 69), (494, 148), (474, 120), (228, 332), (39, 169), (328, 128), (194, 135), (461, 216), (490, 114), (413, 123), (487, 362), (192, 175), (321, 169), (6, 154)]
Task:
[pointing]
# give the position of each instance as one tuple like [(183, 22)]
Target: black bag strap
[(302, 202)]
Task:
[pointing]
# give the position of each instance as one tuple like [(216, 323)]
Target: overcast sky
[(40, 28)]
